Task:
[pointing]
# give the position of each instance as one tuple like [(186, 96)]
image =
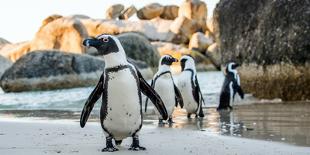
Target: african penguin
[(120, 86), (189, 87), (230, 87), (164, 85)]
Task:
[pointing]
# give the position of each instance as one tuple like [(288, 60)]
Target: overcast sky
[(20, 19)]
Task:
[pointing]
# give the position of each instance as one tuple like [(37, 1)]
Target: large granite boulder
[(271, 39), (64, 34), (15, 51), (200, 42), (114, 11), (150, 11), (170, 12), (3, 41), (128, 12), (183, 28), (138, 47), (195, 10), (44, 70), (5, 64), (47, 70)]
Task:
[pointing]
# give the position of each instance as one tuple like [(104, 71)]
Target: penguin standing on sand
[(230, 87), (189, 87), (164, 85), (120, 86)]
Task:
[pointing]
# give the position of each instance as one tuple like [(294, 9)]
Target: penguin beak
[(91, 42), (175, 60)]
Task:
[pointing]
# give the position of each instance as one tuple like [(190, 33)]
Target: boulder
[(64, 34), (45, 70), (128, 12), (171, 48), (3, 42), (271, 40), (15, 51), (5, 64), (183, 28), (150, 11), (170, 12), (50, 19), (195, 10), (200, 42), (114, 11), (214, 52), (155, 29), (138, 47)]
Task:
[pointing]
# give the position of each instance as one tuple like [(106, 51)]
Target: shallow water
[(251, 118)]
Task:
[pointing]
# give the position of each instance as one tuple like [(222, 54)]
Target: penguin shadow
[(228, 125)]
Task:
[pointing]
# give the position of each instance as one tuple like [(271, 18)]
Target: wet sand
[(66, 137)]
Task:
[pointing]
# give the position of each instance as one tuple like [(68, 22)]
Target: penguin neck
[(163, 68), (115, 59)]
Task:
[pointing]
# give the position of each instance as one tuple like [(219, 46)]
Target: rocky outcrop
[(154, 30), (114, 11), (128, 12), (50, 19), (183, 28), (200, 42), (5, 64), (14, 51), (271, 40), (150, 11), (46, 70), (195, 10), (3, 41), (64, 34), (170, 12)]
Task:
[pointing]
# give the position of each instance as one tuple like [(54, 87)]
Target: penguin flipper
[(198, 91), (178, 97), (147, 99), (152, 95), (93, 97)]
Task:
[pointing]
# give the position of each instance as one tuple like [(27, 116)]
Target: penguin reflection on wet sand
[(189, 87), (230, 87), (120, 86), (164, 85)]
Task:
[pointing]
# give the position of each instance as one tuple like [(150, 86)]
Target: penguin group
[(121, 86)]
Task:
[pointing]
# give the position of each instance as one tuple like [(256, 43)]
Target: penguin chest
[(123, 104), (186, 89), (165, 88)]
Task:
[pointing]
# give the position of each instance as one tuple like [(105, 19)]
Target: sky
[(21, 19)]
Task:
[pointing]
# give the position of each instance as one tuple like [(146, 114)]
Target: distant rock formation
[(5, 64), (114, 11), (170, 12), (200, 42), (150, 11), (271, 39), (3, 42), (128, 12), (47, 70)]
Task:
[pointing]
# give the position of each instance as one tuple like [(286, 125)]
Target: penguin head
[(187, 62), (231, 67), (167, 60), (105, 44)]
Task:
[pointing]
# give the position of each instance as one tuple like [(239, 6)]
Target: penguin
[(230, 87), (189, 87), (120, 86), (164, 85)]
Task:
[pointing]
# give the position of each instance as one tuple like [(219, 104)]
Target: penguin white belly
[(123, 108), (185, 87), (165, 89)]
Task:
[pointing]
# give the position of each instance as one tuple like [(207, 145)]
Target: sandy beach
[(66, 137)]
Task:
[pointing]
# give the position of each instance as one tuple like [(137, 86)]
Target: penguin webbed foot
[(109, 146), (109, 149), (135, 144), (170, 121)]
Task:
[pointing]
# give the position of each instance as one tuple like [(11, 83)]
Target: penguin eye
[(105, 39)]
